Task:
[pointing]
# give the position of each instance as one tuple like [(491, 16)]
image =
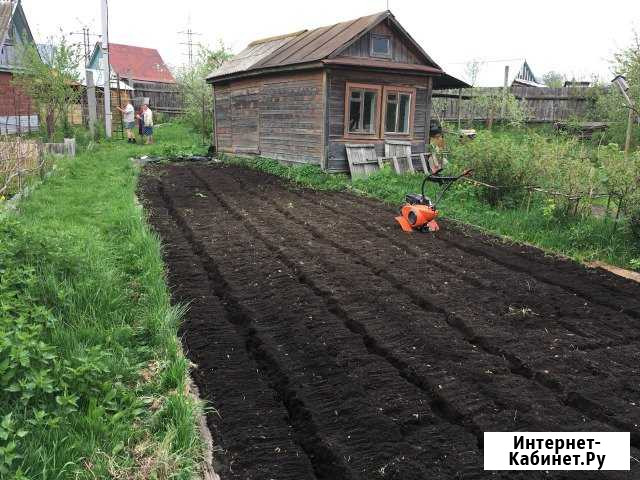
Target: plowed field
[(333, 346)]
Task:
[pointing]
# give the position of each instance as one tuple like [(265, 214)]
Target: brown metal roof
[(310, 47), (321, 42)]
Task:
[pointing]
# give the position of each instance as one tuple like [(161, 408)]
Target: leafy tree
[(53, 85), (472, 69), (608, 103), (196, 94), (496, 103), (553, 79)]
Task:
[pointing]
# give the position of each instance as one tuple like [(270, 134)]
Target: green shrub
[(633, 210), (497, 160)]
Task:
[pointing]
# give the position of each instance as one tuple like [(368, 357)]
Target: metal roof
[(253, 54), (139, 63), (317, 45), (314, 45)]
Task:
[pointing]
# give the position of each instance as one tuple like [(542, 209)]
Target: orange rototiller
[(419, 213)]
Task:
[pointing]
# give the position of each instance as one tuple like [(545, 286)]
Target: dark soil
[(334, 346)]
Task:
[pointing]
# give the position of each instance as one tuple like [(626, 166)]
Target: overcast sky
[(570, 36)]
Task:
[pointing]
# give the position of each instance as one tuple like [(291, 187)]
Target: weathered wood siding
[(223, 124), (245, 112), (163, 97), (337, 82), (400, 51), (279, 117), (291, 118)]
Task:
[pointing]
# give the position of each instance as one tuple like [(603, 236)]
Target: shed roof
[(253, 54), (318, 46), (139, 63)]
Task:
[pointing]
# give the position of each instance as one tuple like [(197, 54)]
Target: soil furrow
[(438, 404), (395, 353), (326, 463), (396, 459), (568, 311), (528, 259), (248, 424), (516, 365), (405, 370)]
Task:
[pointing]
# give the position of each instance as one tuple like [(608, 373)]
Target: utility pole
[(106, 68), (91, 104), (621, 82)]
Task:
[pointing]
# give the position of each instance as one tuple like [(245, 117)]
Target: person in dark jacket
[(140, 121)]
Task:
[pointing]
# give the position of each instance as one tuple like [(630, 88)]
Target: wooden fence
[(22, 159), (542, 105), (19, 159), (163, 97)]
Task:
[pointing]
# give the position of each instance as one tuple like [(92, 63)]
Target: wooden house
[(17, 112), (144, 70), (299, 98)]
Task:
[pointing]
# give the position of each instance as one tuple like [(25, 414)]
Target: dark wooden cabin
[(299, 98)]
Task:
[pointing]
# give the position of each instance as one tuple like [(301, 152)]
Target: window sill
[(398, 136), (362, 136)]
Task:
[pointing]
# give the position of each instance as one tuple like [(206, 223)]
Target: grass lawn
[(581, 238), (93, 379)]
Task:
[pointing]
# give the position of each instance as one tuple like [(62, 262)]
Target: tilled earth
[(333, 346)]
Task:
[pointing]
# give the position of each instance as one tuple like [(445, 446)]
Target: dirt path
[(334, 346)]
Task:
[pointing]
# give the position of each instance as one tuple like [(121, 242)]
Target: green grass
[(93, 379), (581, 238)]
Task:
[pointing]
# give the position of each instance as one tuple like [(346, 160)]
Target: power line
[(189, 43), (86, 42)]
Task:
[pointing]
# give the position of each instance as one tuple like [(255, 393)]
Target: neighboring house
[(299, 98), (143, 70), (16, 110), (492, 73)]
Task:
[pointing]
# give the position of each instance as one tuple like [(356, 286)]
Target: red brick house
[(17, 113)]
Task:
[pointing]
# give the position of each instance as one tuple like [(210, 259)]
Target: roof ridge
[(276, 37), (132, 46)]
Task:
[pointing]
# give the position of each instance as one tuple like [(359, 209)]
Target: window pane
[(355, 94), (390, 120), (368, 117), (354, 115), (403, 113), (380, 45)]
